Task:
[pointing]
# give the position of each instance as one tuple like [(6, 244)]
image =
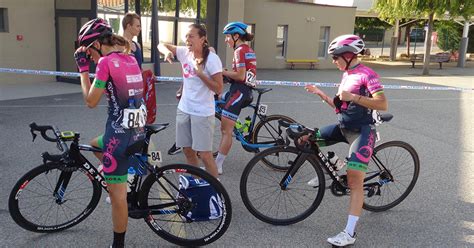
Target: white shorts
[(194, 131)]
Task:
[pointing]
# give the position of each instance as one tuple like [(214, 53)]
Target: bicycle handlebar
[(296, 131), (43, 129)]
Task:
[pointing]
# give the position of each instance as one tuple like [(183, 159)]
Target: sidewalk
[(398, 72)]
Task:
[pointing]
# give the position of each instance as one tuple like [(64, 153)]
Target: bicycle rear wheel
[(267, 132), (265, 199), (34, 206), (169, 207), (396, 166)]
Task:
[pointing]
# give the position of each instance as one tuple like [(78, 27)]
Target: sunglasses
[(334, 57)]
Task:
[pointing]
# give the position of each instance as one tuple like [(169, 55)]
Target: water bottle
[(130, 177), (247, 122), (238, 125), (335, 161), (131, 103)]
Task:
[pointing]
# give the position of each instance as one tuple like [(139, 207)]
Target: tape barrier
[(259, 82)]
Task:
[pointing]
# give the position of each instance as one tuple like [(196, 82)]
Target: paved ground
[(438, 213)]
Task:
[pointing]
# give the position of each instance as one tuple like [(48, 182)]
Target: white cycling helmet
[(347, 43)]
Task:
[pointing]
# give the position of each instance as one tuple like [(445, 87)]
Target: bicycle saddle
[(155, 128)]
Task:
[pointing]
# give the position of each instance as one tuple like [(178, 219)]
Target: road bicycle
[(254, 136), (285, 197), (66, 189)]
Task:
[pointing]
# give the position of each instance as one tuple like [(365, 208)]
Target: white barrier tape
[(259, 82)]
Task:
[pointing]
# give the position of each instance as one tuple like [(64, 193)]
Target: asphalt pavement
[(439, 124)]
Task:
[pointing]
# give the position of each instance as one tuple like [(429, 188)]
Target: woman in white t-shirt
[(202, 79)]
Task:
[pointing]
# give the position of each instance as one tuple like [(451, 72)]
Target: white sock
[(220, 159), (351, 224)]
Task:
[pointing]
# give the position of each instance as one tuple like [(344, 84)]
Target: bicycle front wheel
[(264, 197), (396, 166), (37, 206), (267, 132), (172, 209)]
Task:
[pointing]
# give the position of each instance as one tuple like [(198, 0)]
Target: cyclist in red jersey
[(119, 77), (242, 78)]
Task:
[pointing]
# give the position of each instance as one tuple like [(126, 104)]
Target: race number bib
[(262, 109), (134, 118), (155, 157), (250, 79)]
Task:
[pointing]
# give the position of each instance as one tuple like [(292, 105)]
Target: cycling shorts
[(239, 97), (117, 148), (361, 140)]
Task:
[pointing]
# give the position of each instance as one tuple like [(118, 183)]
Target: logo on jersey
[(131, 79), (135, 92), (250, 56), (188, 71)]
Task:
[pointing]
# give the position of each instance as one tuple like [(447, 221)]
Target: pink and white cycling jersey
[(360, 80), (121, 78)]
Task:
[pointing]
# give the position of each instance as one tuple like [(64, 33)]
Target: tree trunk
[(464, 43), (407, 37), (426, 64)]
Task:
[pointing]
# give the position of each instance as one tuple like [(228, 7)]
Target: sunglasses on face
[(334, 57)]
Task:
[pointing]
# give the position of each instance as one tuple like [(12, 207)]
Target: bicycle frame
[(78, 161), (240, 136), (339, 181)]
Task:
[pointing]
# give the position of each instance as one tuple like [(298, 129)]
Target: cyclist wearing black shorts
[(242, 78), (120, 78)]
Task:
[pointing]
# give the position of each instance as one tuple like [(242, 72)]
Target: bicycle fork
[(61, 186), (294, 167)]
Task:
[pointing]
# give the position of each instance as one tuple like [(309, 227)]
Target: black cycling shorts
[(239, 97)]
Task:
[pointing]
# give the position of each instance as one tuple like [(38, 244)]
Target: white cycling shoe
[(342, 239), (219, 169), (313, 182)]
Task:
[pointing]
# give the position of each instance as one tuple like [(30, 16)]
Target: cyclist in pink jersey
[(359, 93), (119, 77), (242, 78)]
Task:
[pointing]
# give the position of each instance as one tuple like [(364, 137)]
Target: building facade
[(41, 34)]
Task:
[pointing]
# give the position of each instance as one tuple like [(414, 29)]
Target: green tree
[(449, 35), (398, 9), (170, 5)]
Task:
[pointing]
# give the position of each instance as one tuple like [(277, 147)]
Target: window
[(172, 26), (282, 40), (3, 20), (323, 42), (251, 29)]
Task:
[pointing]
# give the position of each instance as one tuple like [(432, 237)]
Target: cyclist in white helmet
[(359, 93)]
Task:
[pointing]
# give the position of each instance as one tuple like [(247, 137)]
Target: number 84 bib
[(134, 118)]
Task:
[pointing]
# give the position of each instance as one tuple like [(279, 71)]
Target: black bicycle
[(66, 188), (289, 196)]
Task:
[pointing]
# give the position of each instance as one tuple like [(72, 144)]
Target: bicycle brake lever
[(33, 134)]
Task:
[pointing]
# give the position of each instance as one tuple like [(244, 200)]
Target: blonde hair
[(128, 19)]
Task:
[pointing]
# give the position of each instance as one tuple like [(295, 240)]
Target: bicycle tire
[(26, 185), (390, 159), (172, 226), (261, 205), (267, 130)]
